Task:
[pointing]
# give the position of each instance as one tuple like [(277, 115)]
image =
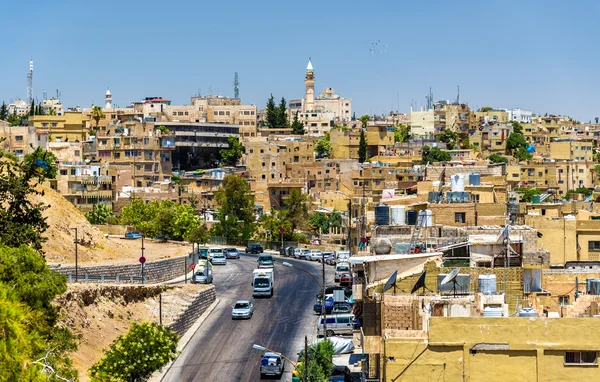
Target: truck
[(263, 282)]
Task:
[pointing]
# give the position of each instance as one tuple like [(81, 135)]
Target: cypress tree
[(271, 117), (362, 148), (282, 117), (3, 112), (297, 126)]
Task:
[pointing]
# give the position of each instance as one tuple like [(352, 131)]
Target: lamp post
[(76, 266), (281, 231), (322, 286)]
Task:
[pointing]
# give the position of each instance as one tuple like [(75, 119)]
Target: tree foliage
[(450, 138), (231, 155), (401, 133), (323, 146), (517, 127), (3, 112), (364, 120), (485, 109), (146, 348), (527, 193), (236, 209), (297, 126), (522, 154), (432, 155), (14, 119), (320, 362), (580, 190), (322, 222), (515, 141), (271, 113), (282, 115), (97, 114), (297, 208), (198, 234), (362, 148), (100, 214), (495, 158)]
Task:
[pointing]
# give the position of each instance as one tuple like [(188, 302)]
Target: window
[(581, 358), (343, 320), (515, 175), (19, 138), (63, 172), (459, 217), (593, 245), (563, 300)]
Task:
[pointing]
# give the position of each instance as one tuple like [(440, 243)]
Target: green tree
[(236, 209), (320, 362), (97, 114), (100, 214), (401, 133), (432, 155), (52, 111), (32, 109), (3, 112), (323, 146), (198, 234), (141, 215), (364, 120), (282, 115), (517, 127), (465, 144), (297, 126), (297, 208), (485, 109), (515, 141), (271, 113), (522, 154), (362, 148), (232, 155), (146, 348), (449, 137), (495, 158), (163, 129), (527, 193), (320, 222), (14, 119)]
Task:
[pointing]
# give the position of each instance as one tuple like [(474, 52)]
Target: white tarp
[(340, 345)]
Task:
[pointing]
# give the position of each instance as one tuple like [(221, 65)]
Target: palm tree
[(97, 114), (52, 111)]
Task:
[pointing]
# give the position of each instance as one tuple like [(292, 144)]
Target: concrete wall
[(154, 271), (194, 310)]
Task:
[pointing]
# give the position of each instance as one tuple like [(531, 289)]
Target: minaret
[(108, 100), (310, 87)]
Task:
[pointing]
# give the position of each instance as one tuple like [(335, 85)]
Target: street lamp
[(76, 267), (322, 286)]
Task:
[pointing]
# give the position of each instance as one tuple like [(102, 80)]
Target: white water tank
[(398, 215), (487, 283), (493, 312), (527, 312), (425, 218), (457, 183)]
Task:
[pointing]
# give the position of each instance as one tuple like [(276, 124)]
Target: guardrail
[(101, 279)]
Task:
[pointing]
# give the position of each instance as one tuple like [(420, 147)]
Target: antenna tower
[(58, 94), (236, 86), (457, 95), (30, 82), (44, 94), (429, 98)]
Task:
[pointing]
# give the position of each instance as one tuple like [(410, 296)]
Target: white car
[(219, 259), (214, 251), (242, 309), (315, 255)]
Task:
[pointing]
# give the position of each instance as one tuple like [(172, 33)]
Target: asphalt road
[(221, 350)]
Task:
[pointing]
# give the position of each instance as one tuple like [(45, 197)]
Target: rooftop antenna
[(420, 283), (451, 278), (391, 282), (58, 95), (236, 86), (458, 94), (44, 94), (30, 82)]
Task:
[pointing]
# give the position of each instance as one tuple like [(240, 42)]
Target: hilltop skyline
[(501, 55)]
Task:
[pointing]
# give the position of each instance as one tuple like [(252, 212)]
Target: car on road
[(133, 235), (214, 251), (254, 248), (339, 269), (330, 304), (202, 273), (325, 257), (203, 253), (346, 278), (232, 253), (219, 259), (342, 256), (242, 309), (315, 255), (271, 365), (331, 288), (336, 325), (265, 261)]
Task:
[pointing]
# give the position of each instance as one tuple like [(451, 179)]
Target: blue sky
[(535, 55)]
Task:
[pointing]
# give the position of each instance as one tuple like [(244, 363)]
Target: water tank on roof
[(527, 312), (536, 199), (487, 283), (382, 214), (397, 215), (425, 218), (457, 182), (493, 312), (474, 179), (411, 217)]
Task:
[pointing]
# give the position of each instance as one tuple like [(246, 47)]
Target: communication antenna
[(44, 94), (58, 93), (391, 282), (420, 284), (458, 94), (236, 86), (30, 82), (451, 278)]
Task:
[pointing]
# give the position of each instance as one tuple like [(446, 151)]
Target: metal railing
[(102, 279)]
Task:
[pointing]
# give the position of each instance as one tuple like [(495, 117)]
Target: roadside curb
[(184, 340)]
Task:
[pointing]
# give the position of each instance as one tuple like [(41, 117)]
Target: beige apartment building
[(21, 140), (345, 142), (422, 124), (84, 185)]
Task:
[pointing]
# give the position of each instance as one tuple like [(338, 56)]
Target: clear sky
[(537, 55)]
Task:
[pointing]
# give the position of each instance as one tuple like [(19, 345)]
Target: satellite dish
[(391, 282), (450, 277), (419, 284)]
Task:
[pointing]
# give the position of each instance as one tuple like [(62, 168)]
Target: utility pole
[(142, 257), (160, 308), (323, 307), (349, 225), (76, 266), (305, 358)]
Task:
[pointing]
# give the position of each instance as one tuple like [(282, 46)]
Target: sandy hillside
[(94, 246)]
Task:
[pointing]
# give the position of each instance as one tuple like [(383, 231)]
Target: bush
[(495, 158), (146, 348)]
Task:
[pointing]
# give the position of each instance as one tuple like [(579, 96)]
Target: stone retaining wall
[(194, 311), (154, 271)]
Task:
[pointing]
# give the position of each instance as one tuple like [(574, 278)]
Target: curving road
[(221, 350)]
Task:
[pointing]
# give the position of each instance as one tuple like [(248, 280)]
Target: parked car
[(214, 251), (315, 255), (342, 256), (289, 251), (232, 253), (265, 261), (330, 304), (330, 260), (305, 254), (219, 259), (133, 235), (203, 273), (161, 238), (339, 269), (271, 365), (340, 374), (331, 288), (203, 253), (254, 248), (346, 278), (336, 325), (298, 253), (341, 309), (325, 256), (242, 309)]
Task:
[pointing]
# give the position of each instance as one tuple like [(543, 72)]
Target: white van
[(336, 324), (342, 256), (341, 268)]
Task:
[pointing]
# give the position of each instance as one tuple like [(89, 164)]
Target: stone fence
[(193, 311)]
